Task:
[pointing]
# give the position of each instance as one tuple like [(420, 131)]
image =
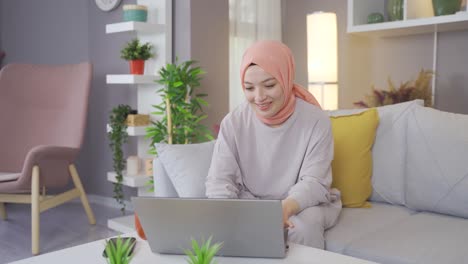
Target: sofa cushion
[(388, 179), (421, 238), (355, 223), (187, 166), (353, 137), (437, 171), (388, 152)]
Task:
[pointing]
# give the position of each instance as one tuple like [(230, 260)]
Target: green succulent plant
[(119, 251), (202, 254), (134, 50)]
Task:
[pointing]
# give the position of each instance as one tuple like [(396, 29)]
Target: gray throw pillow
[(187, 166)]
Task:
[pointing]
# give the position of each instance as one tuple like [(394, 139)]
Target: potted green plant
[(119, 250), (136, 53), (202, 254), (181, 107), (117, 137)]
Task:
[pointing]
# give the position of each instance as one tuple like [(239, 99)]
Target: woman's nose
[(260, 95)]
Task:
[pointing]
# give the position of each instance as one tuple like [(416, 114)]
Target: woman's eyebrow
[(266, 80), (269, 79)]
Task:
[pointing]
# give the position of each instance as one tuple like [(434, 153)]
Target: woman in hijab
[(277, 145)]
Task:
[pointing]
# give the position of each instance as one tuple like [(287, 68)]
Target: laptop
[(247, 228)]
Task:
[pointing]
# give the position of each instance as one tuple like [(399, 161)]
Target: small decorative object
[(375, 18), (202, 254), (139, 228), (136, 53), (107, 5), (117, 137), (395, 9), (149, 167), (138, 120), (446, 7), (119, 250), (133, 165), (408, 91), (135, 13)]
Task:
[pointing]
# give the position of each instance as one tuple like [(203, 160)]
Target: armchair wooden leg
[(35, 210), (3, 213), (84, 199)]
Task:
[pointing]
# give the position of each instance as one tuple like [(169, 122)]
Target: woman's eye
[(249, 88), (270, 85)]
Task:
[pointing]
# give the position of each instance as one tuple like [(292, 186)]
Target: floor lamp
[(322, 58)]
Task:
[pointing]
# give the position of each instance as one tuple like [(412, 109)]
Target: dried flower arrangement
[(411, 90)]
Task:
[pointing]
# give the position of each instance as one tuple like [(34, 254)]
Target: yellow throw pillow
[(352, 164)]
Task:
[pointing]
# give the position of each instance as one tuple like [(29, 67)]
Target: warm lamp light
[(322, 58)]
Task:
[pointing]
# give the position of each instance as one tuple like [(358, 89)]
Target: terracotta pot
[(137, 67), (138, 228)]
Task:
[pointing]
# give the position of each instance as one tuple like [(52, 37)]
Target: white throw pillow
[(388, 152), (437, 171), (187, 166)]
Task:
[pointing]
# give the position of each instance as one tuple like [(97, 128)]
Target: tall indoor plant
[(136, 53), (181, 108), (118, 136)]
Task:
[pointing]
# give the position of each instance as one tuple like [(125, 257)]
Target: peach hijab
[(276, 59)]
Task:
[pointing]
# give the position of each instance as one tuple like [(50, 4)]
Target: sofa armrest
[(163, 186)]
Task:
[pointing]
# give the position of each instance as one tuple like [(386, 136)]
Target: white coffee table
[(92, 253)]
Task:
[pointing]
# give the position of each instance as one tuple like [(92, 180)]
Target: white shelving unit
[(135, 26), (132, 131), (130, 79), (418, 18), (157, 31), (129, 180)]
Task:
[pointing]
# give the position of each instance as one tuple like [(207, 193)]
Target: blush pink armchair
[(43, 116)]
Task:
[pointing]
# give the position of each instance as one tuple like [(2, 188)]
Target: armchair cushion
[(9, 176), (187, 166)]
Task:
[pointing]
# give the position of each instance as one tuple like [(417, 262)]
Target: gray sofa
[(419, 202)]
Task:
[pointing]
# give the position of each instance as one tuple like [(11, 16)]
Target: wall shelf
[(413, 26), (132, 130), (130, 79), (134, 26), (418, 18), (124, 224), (132, 181)]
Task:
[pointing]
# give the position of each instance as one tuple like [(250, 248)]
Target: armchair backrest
[(41, 105)]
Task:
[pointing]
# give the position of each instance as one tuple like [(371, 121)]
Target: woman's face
[(263, 92)]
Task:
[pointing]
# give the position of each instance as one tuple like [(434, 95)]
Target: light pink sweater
[(253, 160)]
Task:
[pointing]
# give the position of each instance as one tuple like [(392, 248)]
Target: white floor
[(61, 227)]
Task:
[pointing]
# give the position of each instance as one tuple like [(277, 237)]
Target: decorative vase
[(395, 10), (135, 13), (446, 7), (137, 67), (375, 18)]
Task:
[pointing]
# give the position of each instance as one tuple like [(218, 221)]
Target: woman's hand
[(290, 208)]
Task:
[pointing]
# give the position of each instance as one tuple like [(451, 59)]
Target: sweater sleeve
[(223, 175), (315, 177)]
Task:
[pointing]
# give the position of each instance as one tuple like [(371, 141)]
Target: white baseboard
[(106, 201)]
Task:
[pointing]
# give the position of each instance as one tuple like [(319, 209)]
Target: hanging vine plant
[(118, 136)]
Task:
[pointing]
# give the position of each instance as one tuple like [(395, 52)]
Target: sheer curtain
[(249, 21)]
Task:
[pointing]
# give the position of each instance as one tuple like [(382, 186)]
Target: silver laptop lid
[(247, 228)]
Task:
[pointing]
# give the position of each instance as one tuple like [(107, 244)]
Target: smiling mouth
[(263, 107)]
